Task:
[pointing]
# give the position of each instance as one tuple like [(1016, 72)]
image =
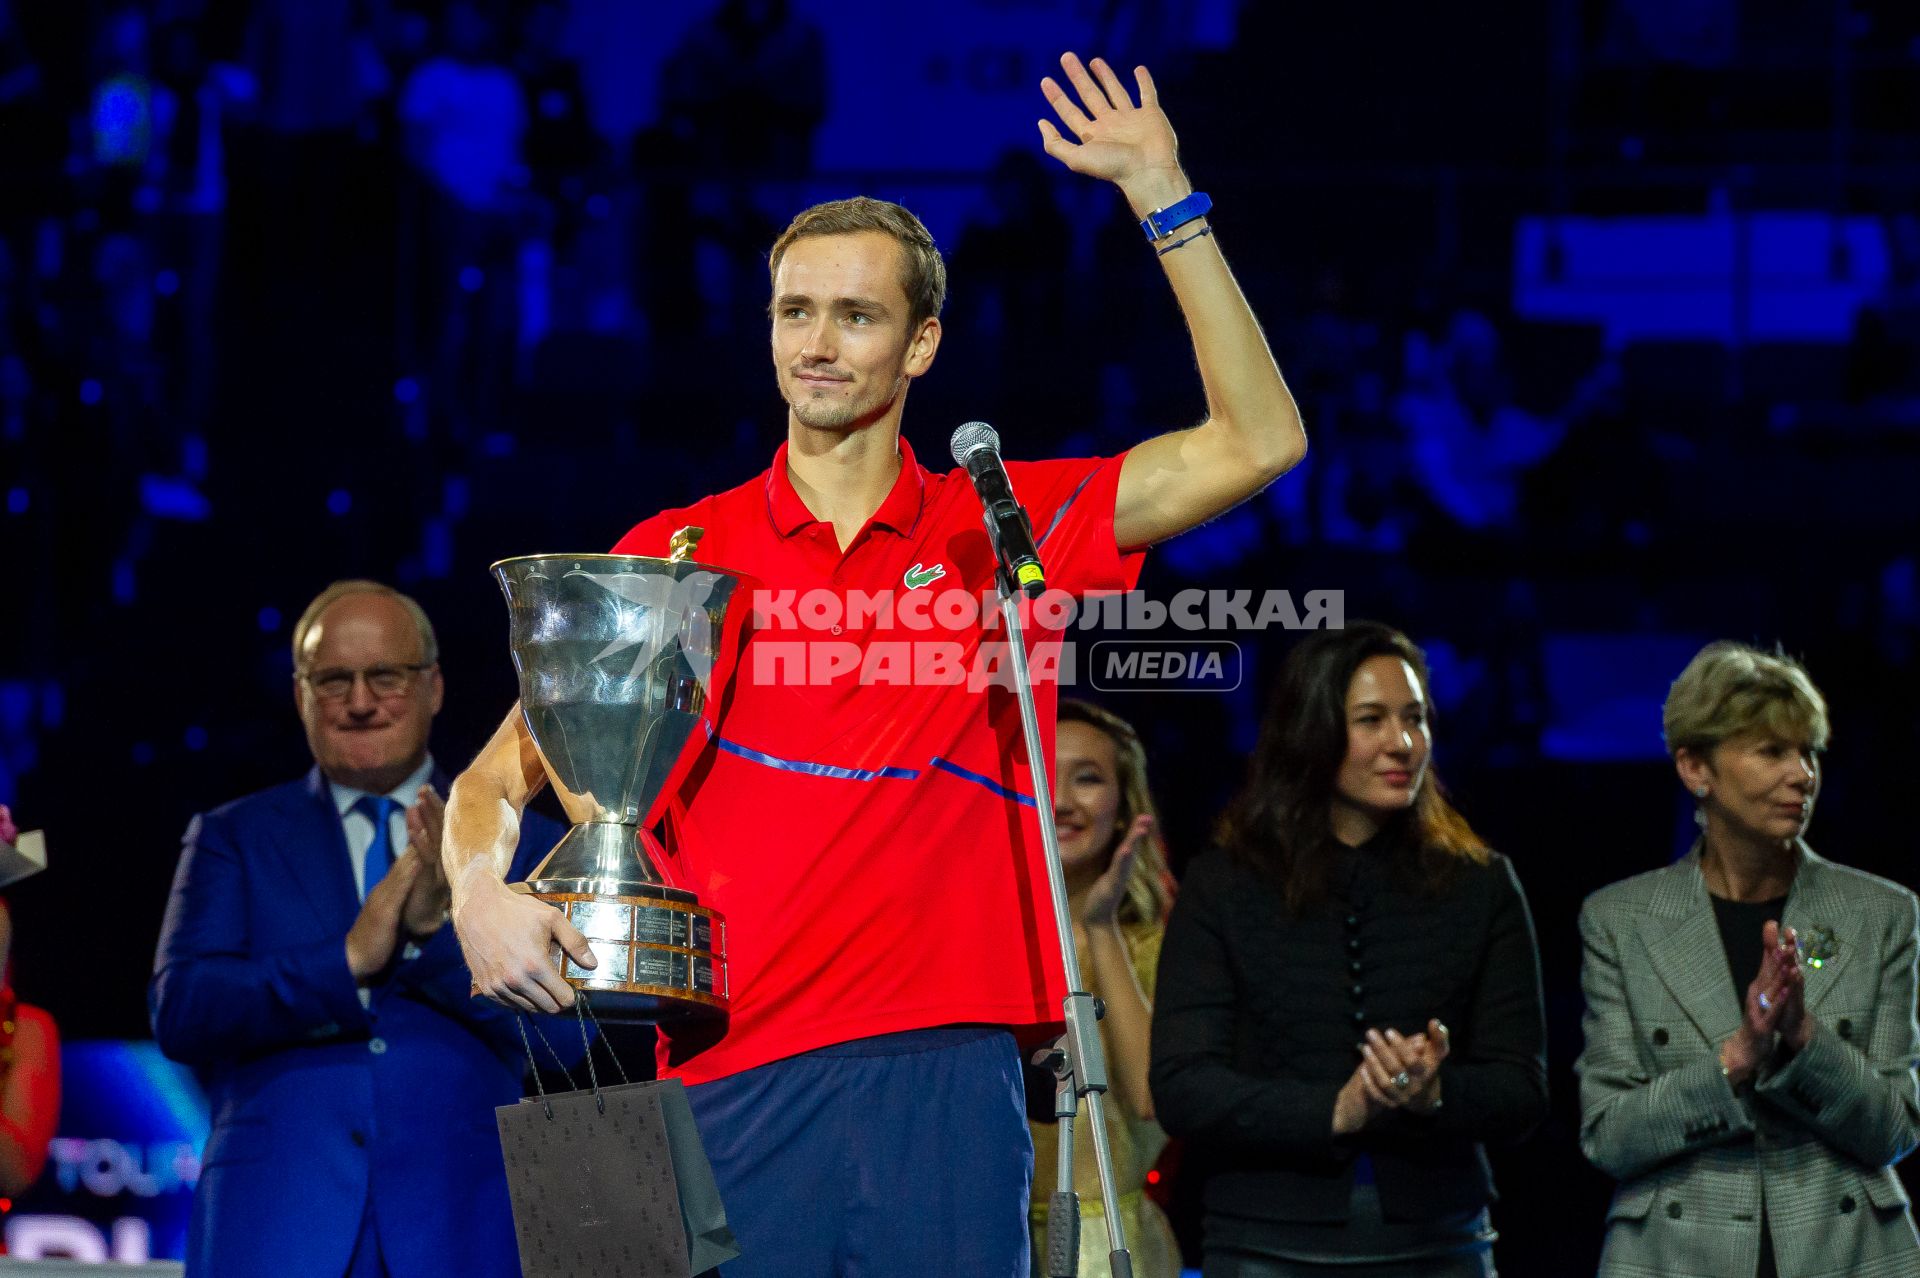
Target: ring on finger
[(1403, 1080), (1766, 1004)]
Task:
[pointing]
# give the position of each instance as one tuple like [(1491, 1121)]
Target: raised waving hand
[(1115, 139)]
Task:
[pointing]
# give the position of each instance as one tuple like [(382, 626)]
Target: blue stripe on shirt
[(946, 765)]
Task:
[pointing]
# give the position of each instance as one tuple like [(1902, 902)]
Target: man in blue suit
[(306, 969)]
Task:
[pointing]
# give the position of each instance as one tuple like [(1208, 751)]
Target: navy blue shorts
[(905, 1154)]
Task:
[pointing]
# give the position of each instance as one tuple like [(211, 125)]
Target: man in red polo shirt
[(862, 815)]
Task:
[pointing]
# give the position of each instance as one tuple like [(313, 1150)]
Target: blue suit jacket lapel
[(313, 848)]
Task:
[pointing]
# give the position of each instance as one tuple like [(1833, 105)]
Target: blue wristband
[(1161, 223)]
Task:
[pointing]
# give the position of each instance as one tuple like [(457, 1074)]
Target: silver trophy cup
[(616, 654)]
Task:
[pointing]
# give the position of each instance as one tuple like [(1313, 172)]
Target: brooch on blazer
[(1817, 945)]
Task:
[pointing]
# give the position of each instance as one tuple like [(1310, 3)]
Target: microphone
[(976, 450)]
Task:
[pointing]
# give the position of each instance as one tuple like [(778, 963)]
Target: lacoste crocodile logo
[(918, 576)]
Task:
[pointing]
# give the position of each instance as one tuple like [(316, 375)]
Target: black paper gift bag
[(611, 1180)]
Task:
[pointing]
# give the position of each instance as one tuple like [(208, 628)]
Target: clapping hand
[(1773, 1004), (425, 909), (1396, 1071), (1101, 906), (1403, 1071), (1796, 1027), (375, 934)]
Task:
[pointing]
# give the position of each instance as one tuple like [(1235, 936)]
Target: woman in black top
[(1349, 996)]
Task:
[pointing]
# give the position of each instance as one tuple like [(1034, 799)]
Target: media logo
[(1165, 665)]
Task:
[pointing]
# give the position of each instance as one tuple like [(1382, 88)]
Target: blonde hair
[(1730, 688), (1149, 884), (923, 273), (429, 644)]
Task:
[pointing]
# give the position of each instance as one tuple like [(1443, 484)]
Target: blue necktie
[(379, 809)]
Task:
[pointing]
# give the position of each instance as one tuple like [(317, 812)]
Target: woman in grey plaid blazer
[(1756, 1133)]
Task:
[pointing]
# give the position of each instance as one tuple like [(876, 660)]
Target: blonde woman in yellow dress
[(1119, 892)]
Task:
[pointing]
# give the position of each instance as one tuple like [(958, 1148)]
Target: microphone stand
[(1078, 1060)]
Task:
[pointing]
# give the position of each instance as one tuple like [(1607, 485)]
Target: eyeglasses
[(382, 681)]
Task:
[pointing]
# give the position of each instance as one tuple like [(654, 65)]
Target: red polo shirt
[(862, 817)]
